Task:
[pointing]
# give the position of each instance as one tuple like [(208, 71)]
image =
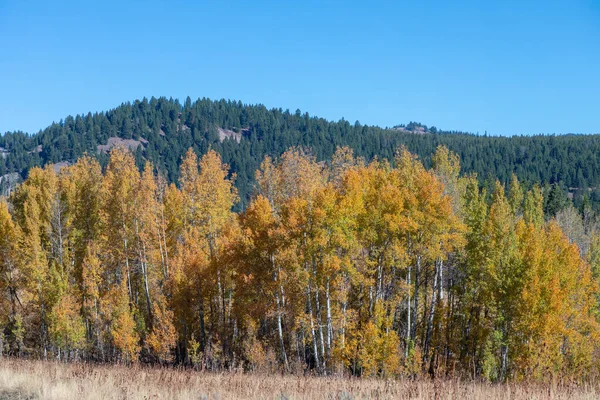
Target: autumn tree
[(374, 269), (12, 284)]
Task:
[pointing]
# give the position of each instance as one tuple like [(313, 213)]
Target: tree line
[(166, 128), (366, 268)]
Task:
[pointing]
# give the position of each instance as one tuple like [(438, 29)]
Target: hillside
[(161, 130)]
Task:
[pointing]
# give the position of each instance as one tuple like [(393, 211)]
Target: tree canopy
[(161, 130), (369, 268)]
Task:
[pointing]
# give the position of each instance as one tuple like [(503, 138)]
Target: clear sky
[(505, 67)]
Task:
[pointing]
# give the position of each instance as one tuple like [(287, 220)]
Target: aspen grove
[(382, 268)]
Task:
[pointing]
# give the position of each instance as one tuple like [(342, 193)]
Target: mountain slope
[(161, 130)]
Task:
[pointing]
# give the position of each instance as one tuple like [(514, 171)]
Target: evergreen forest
[(160, 130)]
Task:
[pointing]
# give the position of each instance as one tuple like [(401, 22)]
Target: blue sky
[(505, 67)]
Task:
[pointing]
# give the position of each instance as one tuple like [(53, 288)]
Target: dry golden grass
[(50, 380)]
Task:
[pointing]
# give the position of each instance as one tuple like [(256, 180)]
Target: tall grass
[(52, 380)]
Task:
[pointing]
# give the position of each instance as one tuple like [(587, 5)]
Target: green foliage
[(490, 366), (166, 129)]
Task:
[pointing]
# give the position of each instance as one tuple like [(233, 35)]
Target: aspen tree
[(12, 281)]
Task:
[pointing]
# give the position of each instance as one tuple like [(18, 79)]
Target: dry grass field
[(51, 380)]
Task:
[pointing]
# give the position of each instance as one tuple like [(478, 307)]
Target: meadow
[(20, 380)]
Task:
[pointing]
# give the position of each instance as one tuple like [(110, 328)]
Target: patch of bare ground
[(130, 144), (229, 134), (419, 130), (52, 380), (38, 149)]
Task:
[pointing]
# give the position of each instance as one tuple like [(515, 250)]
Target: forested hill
[(161, 130)]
